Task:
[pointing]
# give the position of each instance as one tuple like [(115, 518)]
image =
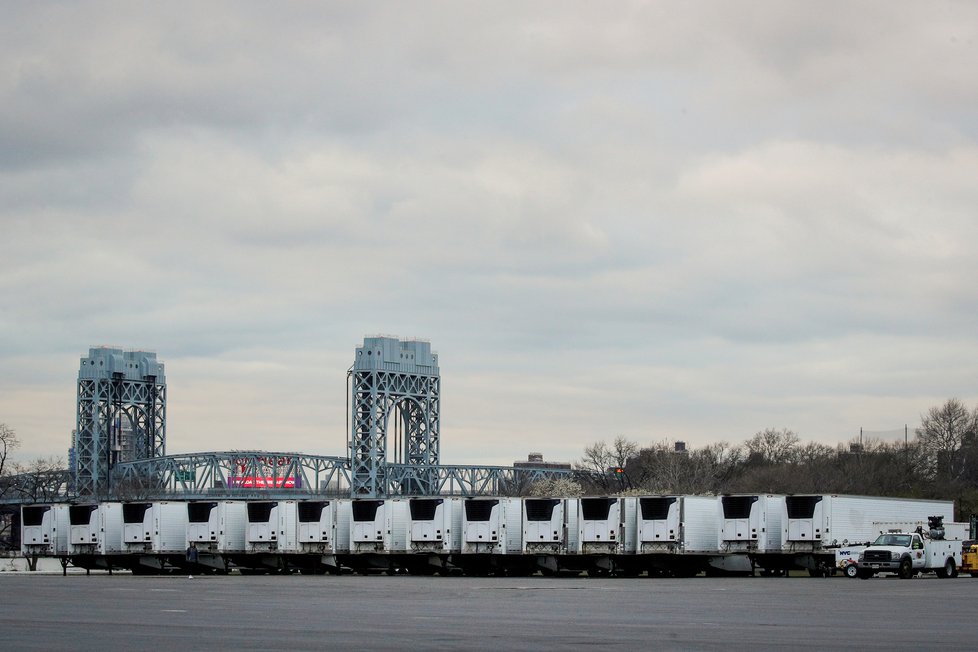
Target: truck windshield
[(893, 540)]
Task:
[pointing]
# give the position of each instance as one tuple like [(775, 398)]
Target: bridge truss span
[(233, 474), (468, 480)]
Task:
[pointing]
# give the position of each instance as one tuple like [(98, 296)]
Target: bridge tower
[(121, 414), (396, 389)]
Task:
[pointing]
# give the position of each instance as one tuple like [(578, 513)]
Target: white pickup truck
[(907, 554)]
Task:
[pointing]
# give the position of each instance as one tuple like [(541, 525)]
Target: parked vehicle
[(969, 559), (492, 537), (675, 535), (822, 532), (666, 535), (910, 553), (44, 530), (218, 529), (154, 534), (95, 535)]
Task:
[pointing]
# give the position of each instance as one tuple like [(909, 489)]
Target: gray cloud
[(662, 222)]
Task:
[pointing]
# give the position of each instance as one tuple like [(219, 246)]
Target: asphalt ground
[(299, 612)]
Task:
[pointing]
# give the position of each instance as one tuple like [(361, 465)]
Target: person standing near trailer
[(192, 556)]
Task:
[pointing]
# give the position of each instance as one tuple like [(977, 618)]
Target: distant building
[(535, 461)]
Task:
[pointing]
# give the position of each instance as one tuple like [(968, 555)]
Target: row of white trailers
[(659, 535)]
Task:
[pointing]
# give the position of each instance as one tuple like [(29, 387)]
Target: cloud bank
[(687, 222)]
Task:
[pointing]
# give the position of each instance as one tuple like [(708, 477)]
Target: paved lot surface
[(51, 612)]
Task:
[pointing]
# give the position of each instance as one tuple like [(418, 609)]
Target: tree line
[(940, 461)]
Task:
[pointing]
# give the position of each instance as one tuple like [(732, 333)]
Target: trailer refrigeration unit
[(677, 535), (434, 533), (44, 531), (154, 534), (550, 530), (265, 528), (600, 526), (819, 530), (308, 534), (492, 537), (750, 526), (95, 535), (315, 527), (378, 528), (600, 536), (218, 529)]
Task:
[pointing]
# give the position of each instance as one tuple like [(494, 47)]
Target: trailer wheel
[(906, 569), (852, 570)]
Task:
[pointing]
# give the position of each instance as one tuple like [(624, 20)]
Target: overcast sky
[(684, 221)]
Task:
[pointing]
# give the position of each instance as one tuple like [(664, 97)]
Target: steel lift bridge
[(394, 446), (394, 441), (121, 415)]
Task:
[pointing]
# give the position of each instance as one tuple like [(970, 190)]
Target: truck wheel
[(906, 569), (864, 574), (949, 570), (852, 570)]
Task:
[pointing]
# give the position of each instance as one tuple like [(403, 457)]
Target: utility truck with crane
[(908, 553)]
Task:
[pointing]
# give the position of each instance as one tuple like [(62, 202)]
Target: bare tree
[(941, 433), (773, 446), (8, 444), (597, 458), (600, 459), (41, 480), (723, 462), (623, 450), (660, 468)]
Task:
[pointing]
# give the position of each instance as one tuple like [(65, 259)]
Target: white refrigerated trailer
[(435, 525), (378, 528), (269, 523), (543, 525), (600, 526), (44, 530), (315, 527), (433, 535), (154, 534), (83, 528), (492, 536), (218, 530), (605, 527), (95, 535), (816, 526), (550, 531), (750, 528), (322, 532), (676, 535)]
